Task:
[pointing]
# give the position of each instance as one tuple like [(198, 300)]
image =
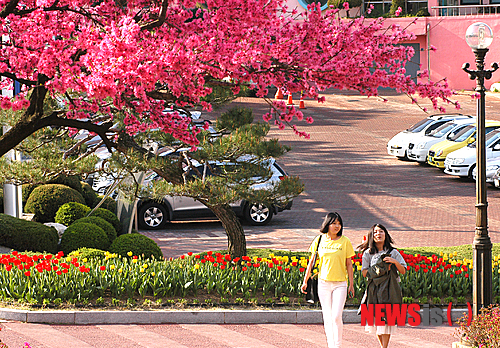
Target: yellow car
[(467, 135)]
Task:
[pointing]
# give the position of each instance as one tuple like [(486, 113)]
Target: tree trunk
[(236, 242)]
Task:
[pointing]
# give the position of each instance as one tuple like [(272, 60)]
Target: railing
[(465, 10)]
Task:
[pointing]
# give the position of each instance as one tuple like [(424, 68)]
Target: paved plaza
[(345, 168), (211, 335)]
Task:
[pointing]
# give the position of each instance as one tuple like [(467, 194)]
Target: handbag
[(312, 283)]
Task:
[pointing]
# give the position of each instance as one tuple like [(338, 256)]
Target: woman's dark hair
[(370, 244), (329, 219)]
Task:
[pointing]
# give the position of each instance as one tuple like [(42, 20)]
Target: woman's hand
[(389, 259), (399, 267), (351, 290), (303, 288)]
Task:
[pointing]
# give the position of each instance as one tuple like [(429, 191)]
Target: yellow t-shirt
[(333, 255)]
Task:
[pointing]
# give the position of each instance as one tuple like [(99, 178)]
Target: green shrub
[(234, 118), (423, 12), (88, 253), (72, 181), (99, 221), (109, 217), (24, 235), (89, 195), (138, 244), (45, 200), (27, 189), (70, 212), (109, 203), (83, 235)]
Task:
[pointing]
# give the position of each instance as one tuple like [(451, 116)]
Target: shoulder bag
[(312, 282)]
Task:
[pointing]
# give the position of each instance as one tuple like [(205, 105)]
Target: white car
[(492, 167), (463, 161), (419, 146), (398, 145)]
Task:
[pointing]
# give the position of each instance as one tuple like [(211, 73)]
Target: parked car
[(398, 145), (462, 162), (154, 214), (496, 178), (438, 152), (419, 146), (492, 171)]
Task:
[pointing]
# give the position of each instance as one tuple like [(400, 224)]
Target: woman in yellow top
[(335, 268)]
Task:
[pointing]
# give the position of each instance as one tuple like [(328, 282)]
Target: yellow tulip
[(197, 266)]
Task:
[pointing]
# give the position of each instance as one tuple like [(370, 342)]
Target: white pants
[(332, 296)]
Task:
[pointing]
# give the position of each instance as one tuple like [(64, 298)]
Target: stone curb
[(184, 317)]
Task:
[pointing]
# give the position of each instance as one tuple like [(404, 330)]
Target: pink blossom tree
[(96, 63)]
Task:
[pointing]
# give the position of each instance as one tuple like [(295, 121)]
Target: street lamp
[(479, 36)]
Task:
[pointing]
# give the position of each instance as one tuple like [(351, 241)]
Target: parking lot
[(346, 168)]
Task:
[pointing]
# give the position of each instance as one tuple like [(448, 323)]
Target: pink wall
[(447, 35)]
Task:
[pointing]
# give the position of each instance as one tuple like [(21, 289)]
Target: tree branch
[(161, 19), (9, 8)]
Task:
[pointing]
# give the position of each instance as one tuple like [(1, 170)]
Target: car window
[(433, 127), (441, 131), (419, 126), (492, 135), (455, 132), (464, 133)]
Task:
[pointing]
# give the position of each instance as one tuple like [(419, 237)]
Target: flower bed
[(44, 279)]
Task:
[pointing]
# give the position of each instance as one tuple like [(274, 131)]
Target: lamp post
[(479, 36)]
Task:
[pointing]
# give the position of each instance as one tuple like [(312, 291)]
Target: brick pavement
[(345, 168), (14, 334)]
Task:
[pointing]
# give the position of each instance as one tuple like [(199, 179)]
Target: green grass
[(463, 251)]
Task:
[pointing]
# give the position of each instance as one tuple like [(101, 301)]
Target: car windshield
[(417, 127), (491, 138), (442, 130), (463, 134)]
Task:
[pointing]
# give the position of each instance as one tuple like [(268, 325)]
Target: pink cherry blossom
[(136, 60)]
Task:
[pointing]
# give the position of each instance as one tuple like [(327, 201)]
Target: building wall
[(447, 35)]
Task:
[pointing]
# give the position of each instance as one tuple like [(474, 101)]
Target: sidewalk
[(14, 334)]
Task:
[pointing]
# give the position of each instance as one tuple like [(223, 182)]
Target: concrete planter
[(461, 345)]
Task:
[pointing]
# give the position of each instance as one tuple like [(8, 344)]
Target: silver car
[(153, 214)]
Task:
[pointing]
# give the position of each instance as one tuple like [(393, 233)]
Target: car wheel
[(470, 172), (153, 216), (258, 214)]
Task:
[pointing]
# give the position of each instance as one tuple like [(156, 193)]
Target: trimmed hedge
[(109, 203), (22, 235), (99, 221), (138, 244), (45, 200), (83, 235), (72, 181), (70, 212), (88, 253), (109, 217), (89, 195)]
